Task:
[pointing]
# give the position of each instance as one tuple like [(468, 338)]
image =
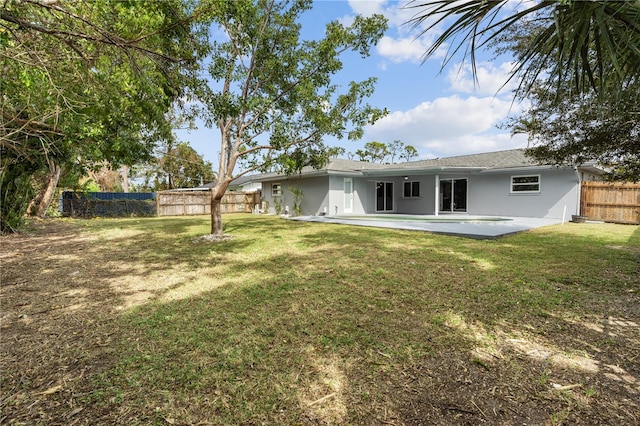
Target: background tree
[(85, 82), (272, 96), (379, 152), (408, 153), (373, 152), (107, 178), (565, 126), (394, 149), (397, 148), (178, 166)]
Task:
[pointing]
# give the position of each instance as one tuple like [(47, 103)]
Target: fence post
[(583, 199)]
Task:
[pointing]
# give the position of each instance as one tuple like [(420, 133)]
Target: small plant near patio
[(277, 205), (297, 200)]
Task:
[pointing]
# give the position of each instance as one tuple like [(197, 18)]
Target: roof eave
[(529, 168), (421, 171)]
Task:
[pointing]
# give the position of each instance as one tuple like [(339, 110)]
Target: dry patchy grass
[(139, 321)]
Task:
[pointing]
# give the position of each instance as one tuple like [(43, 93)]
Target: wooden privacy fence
[(611, 202), (190, 203)]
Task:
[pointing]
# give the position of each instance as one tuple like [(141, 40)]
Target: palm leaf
[(588, 43)]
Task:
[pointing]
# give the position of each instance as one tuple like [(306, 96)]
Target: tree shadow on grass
[(337, 325)]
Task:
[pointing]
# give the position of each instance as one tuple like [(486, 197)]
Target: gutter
[(420, 171), (521, 169)]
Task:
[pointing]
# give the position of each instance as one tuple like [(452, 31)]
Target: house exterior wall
[(424, 203), (314, 194), (487, 194), (336, 202), (490, 194)]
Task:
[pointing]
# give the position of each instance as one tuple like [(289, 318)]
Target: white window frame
[(513, 184), (411, 194), (348, 195), (276, 190)]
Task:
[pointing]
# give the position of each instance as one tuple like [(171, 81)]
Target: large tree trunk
[(125, 178), (217, 193), (41, 202), (216, 216)]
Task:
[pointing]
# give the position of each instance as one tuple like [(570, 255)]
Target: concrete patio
[(478, 227)]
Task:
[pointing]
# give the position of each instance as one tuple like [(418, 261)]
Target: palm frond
[(589, 43)]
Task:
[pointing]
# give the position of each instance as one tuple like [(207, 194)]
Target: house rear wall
[(490, 194)]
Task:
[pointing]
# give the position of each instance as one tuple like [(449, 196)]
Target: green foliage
[(17, 191), (90, 186), (584, 45), (179, 166), (408, 153), (566, 126), (572, 129), (297, 200), (379, 152), (578, 62), (272, 96), (94, 80), (374, 152)]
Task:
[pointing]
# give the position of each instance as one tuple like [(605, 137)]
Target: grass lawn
[(138, 321)]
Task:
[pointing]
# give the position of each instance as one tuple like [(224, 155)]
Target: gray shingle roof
[(487, 160), (341, 164)]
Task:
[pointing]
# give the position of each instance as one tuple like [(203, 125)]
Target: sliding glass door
[(384, 196), (453, 195)]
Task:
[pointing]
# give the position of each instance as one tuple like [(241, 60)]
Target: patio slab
[(469, 226)]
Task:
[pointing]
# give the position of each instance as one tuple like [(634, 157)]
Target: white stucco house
[(503, 183)]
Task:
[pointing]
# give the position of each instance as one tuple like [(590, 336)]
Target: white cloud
[(472, 144), (450, 126), (520, 5), (403, 41), (491, 78), (367, 7), (394, 11), (403, 49)]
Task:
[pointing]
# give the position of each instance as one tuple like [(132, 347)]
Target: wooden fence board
[(611, 202), (191, 203)]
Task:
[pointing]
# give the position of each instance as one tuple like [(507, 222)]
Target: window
[(523, 184), (276, 190), (411, 189)]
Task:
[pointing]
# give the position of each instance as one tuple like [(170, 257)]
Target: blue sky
[(441, 114)]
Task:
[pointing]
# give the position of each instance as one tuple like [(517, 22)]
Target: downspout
[(579, 191), (437, 197)]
